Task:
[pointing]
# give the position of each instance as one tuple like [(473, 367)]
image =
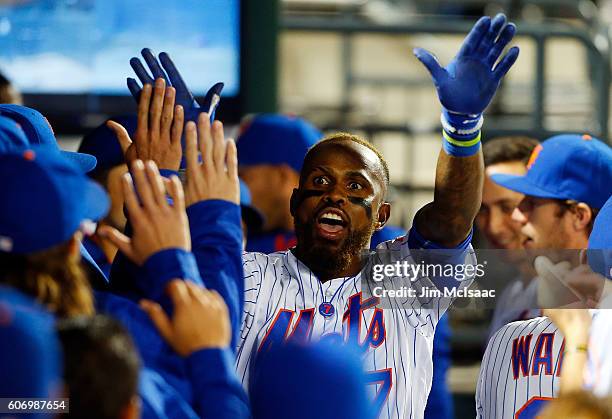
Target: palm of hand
[(466, 85)]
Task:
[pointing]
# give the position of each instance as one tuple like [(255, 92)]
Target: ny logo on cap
[(534, 156)]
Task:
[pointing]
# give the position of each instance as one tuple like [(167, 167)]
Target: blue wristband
[(460, 146), (460, 124)]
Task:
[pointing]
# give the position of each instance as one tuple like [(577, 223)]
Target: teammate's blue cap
[(569, 166), (30, 353), (38, 131), (102, 143), (46, 201), (327, 382), (12, 137), (276, 139), (600, 242), (251, 215)]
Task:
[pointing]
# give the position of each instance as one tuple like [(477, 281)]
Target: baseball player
[(522, 363), (507, 155), (28, 262), (529, 362), (271, 150), (313, 291)]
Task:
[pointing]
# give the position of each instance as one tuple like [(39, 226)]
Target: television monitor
[(70, 58)]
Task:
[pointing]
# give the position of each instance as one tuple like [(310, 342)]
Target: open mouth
[(331, 223)]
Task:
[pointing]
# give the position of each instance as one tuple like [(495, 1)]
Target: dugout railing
[(594, 38)]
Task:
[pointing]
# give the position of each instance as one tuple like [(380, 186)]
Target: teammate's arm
[(213, 194), (465, 88), (200, 332), (160, 241), (575, 324)]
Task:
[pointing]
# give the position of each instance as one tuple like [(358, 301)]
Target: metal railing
[(595, 40)]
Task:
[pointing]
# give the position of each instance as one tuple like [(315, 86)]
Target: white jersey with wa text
[(285, 301), (520, 370)]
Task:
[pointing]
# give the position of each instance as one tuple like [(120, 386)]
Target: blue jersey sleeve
[(216, 388), (216, 239), (160, 400)]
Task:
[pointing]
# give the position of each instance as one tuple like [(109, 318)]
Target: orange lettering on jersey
[(520, 355)]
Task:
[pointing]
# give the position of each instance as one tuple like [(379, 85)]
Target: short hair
[(570, 205), (345, 136), (508, 149), (101, 366)]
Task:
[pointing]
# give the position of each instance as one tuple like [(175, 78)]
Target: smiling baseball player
[(313, 291)]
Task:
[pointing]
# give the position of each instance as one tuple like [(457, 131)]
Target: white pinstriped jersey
[(515, 303), (520, 370), (282, 300)]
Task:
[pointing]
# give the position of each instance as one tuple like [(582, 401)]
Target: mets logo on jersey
[(534, 156), (281, 331)]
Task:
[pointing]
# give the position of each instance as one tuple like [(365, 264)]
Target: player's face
[(498, 203), (541, 224), (336, 207)]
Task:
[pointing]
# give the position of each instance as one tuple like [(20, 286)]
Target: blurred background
[(342, 64)]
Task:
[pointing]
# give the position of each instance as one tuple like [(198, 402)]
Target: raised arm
[(465, 88)]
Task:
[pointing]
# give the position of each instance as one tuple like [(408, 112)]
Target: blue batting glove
[(173, 78), (467, 85)]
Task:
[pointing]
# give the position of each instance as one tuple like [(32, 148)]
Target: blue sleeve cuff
[(166, 265), (216, 388), (210, 366), (417, 241), (211, 208), (215, 219)]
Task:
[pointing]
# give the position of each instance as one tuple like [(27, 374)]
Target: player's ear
[(384, 212), (293, 202), (582, 216)]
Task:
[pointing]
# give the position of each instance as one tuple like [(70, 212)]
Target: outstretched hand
[(216, 176), (200, 319), (159, 128), (173, 78), (467, 85), (156, 224)]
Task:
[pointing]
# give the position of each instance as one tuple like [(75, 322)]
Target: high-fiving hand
[(173, 78), (467, 85), (200, 319), (159, 128), (217, 176), (157, 225)]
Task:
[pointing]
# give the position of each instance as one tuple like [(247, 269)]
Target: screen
[(84, 46)]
